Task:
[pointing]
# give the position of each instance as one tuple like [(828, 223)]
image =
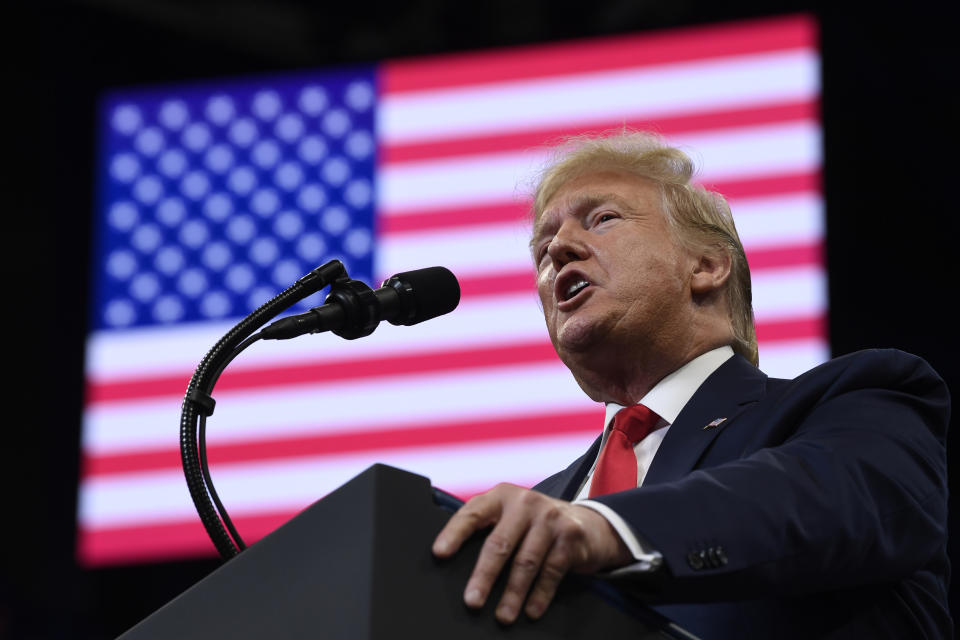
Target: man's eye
[(603, 217)]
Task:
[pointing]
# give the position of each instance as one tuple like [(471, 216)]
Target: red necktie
[(617, 465)]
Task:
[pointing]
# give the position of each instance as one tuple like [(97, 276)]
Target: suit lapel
[(722, 397), (565, 484)]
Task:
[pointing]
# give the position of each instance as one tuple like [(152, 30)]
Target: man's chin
[(588, 357), (577, 338)]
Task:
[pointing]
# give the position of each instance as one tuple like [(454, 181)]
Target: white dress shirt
[(666, 399)]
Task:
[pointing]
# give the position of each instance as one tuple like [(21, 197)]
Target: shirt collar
[(671, 394)]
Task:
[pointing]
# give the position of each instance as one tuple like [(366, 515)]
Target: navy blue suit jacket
[(817, 509)]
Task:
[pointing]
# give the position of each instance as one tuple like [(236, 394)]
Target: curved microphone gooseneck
[(351, 310)]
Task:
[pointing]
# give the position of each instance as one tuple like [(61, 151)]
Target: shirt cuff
[(646, 560)]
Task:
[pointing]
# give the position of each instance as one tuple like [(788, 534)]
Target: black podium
[(357, 565)]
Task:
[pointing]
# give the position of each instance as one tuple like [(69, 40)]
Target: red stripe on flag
[(781, 184), (180, 539), (397, 222), (785, 256), (455, 217), (358, 439), (609, 53), (512, 282), (793, 329), (667, 125)]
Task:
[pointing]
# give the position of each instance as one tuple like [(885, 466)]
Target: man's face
[(611, 277)]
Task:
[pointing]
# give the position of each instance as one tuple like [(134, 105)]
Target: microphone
[(353, 310)]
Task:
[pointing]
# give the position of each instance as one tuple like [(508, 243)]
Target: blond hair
[(699, 218)]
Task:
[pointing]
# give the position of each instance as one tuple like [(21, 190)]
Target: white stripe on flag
[(574, 100), (788, 359), (483, 250), (778, 220), (791, 292), (154, 497)]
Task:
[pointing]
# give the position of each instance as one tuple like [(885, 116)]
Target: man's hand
[(550, 537)]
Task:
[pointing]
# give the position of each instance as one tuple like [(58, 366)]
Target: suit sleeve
[(845, 486)]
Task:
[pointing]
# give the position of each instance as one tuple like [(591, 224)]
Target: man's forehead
[(581, 195), (597, 187), (579, 201)]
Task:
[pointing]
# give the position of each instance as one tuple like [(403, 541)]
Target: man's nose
[(569, 244)]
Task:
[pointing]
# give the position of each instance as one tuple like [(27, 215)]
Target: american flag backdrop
[(216, 196)]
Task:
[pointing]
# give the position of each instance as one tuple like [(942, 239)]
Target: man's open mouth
[(575, 288)]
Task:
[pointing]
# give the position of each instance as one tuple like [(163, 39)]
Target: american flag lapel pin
[(715, 423)]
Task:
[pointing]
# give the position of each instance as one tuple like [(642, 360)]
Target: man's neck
[(628, 383)]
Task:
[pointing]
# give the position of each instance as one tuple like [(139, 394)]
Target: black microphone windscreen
[(435, 289)]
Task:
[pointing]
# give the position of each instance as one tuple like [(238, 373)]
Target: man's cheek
[(545, 283)]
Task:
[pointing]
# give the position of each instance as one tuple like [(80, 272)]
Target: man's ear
[(710, 271)]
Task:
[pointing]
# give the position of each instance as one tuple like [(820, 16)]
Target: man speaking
[(741, 505)]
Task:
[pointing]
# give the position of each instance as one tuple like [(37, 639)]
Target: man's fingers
[(496, 550), (480, 512), (569, 550), (555, 566), (526, 566), (550, 538)]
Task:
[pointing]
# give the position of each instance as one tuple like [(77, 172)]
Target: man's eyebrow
[(581, 205)]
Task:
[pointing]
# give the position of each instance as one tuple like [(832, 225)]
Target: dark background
[(889, 107)]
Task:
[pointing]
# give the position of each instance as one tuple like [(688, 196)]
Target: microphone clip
[(361, 310)]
